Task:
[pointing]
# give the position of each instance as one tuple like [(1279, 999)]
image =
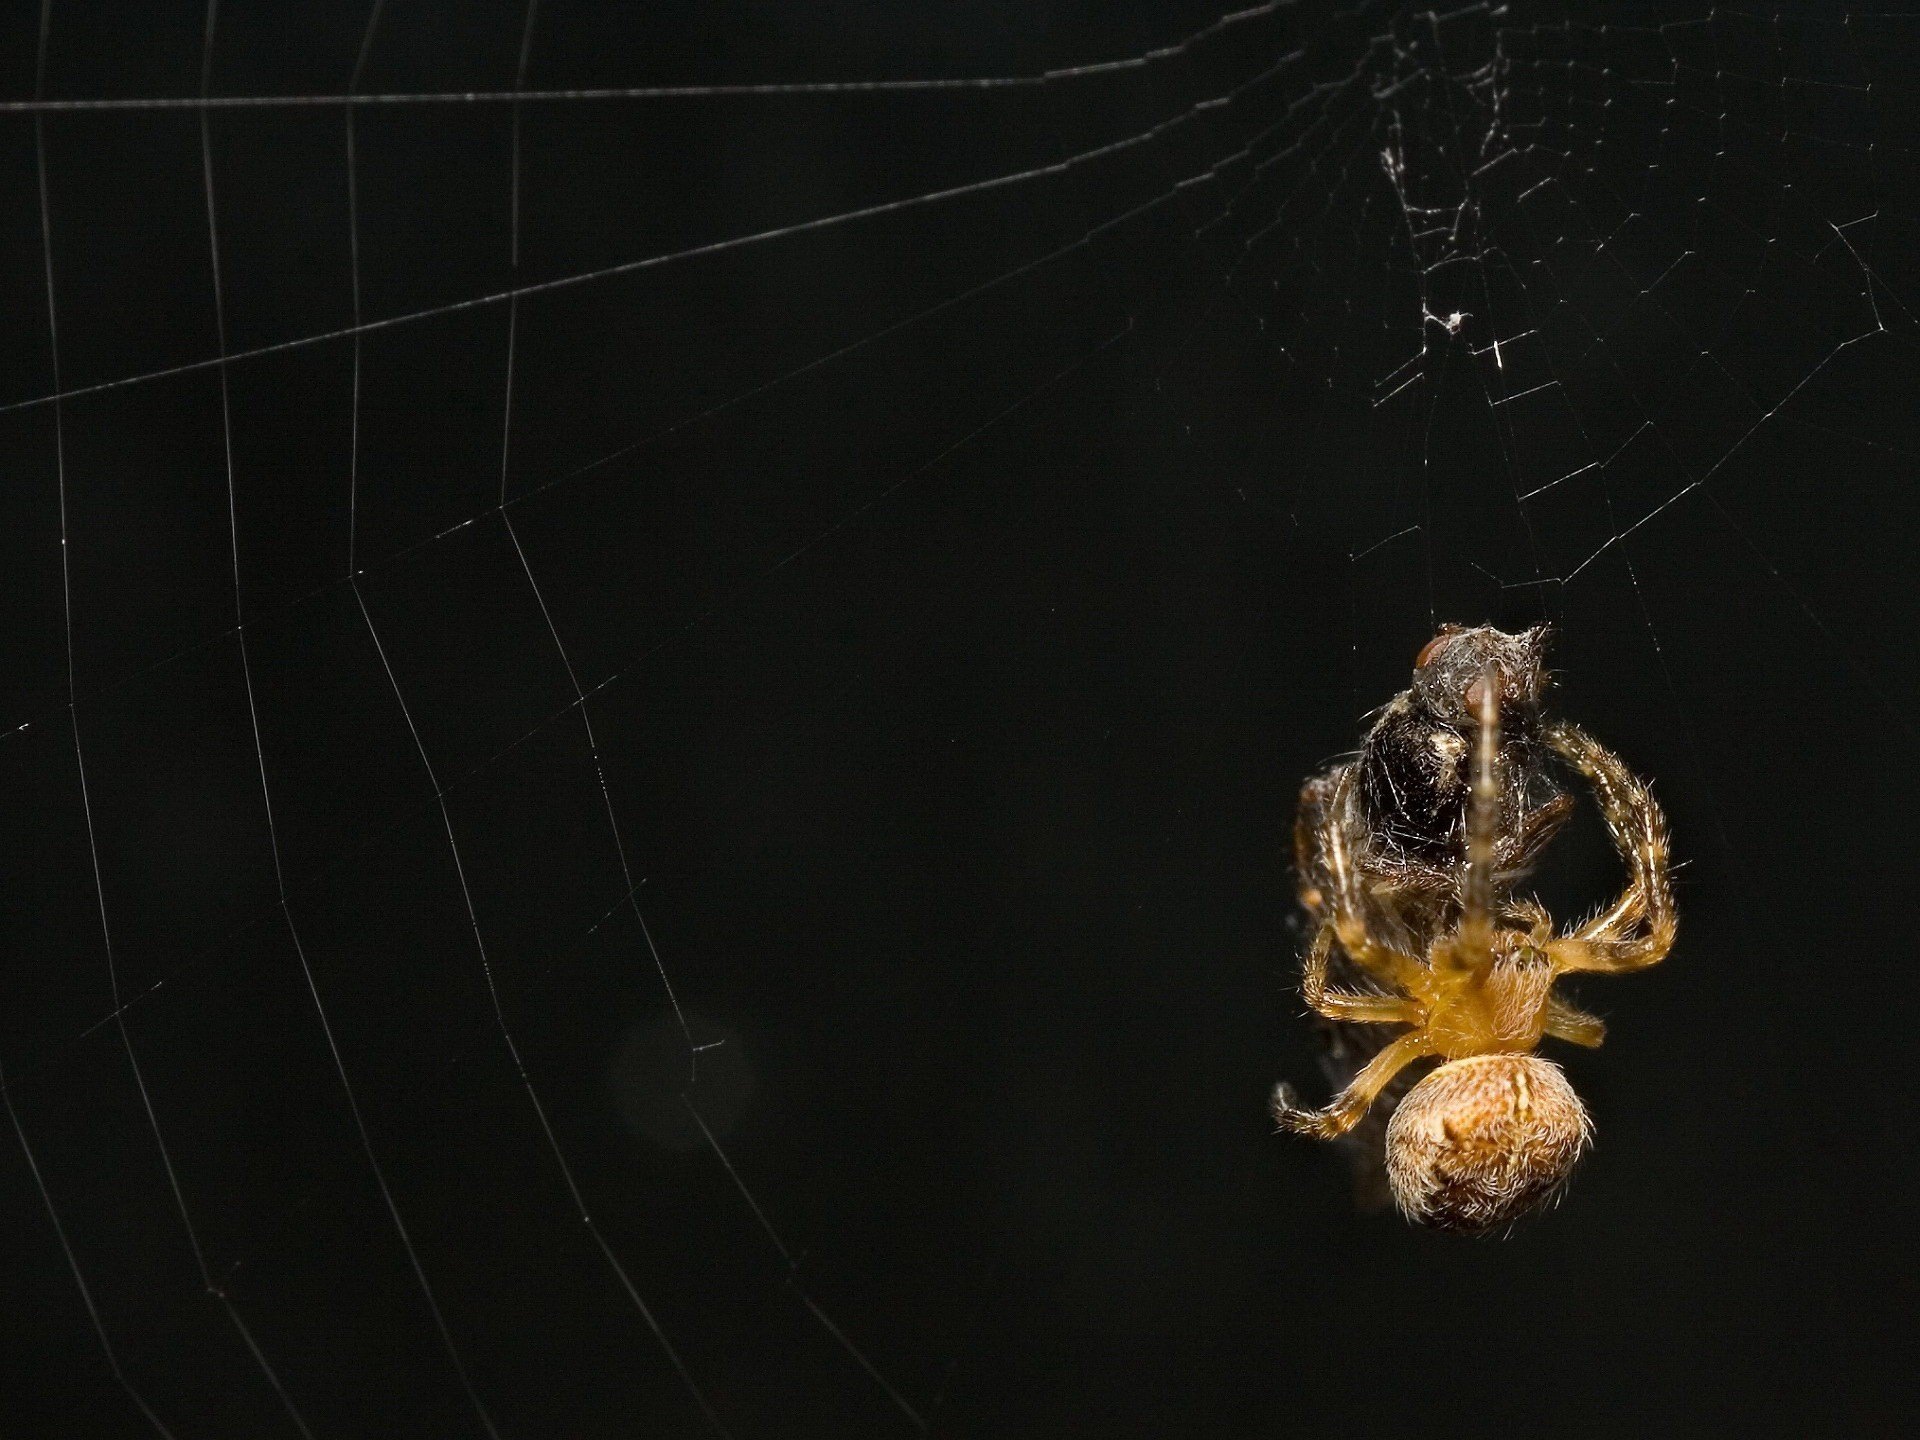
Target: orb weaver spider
[(1468, 970)]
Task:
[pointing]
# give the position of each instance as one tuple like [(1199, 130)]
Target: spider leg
[(1617, 920), (1345, 1004), (1347, 905), (1308, 828), (1530, 916), (1609, 942), (1474, 946), (1568, 1022), (1351, 1104)]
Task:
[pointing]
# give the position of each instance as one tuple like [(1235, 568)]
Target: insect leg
[(1537, 829)]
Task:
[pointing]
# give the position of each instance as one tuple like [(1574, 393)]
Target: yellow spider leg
[(1346, 1004), (1639, 831), (1617, 920), (1351, 1104), (1569, 1022), (1473, 945), (1348, 909)]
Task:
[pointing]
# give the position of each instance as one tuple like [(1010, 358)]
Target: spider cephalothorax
[(1437, 944)]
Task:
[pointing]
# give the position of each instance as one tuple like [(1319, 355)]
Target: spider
[(1405, 814), (1444, 950)]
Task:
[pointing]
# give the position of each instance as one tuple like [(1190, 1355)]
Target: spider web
[(656, 659)]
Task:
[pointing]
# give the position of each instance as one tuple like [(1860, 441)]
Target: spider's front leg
[(1474, 947), (1351, 1104), (1347, 908), (1348, 1005), (1309, 837), (1639, 830)]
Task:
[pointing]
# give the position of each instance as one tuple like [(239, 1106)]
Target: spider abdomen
[(1481, 1141)]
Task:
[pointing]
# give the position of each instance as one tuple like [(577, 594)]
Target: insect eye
[(1426, 651)]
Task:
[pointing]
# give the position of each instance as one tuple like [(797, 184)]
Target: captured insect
[(1409, 855)]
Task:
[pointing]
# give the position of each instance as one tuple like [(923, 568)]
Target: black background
[(968, 591)]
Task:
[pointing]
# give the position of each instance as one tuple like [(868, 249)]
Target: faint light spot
[(648, 1080)]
